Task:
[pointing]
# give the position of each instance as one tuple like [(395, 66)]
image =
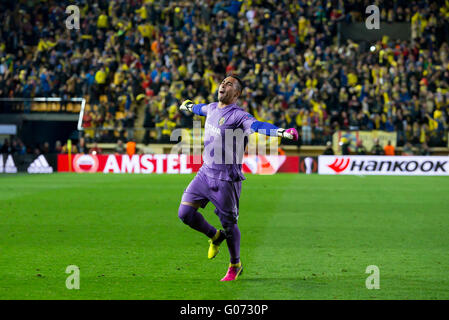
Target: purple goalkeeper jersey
[(225, 139)]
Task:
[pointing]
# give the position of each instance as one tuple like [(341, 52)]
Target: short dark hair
[(239, 81)]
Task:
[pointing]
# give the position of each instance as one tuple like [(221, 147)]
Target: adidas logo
[(9, 167), (40, 165)]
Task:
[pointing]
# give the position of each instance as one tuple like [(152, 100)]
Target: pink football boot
[(234, 271)]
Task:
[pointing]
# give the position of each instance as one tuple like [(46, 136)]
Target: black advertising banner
[(28, 163), (308, 165)]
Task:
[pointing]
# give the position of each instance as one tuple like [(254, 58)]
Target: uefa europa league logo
[(309, 165)]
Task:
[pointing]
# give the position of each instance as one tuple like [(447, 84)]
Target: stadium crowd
[(140, 59)]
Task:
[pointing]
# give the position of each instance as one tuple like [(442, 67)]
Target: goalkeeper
[(220, 181)]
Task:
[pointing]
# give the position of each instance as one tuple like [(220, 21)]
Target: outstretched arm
[(269, 129), (188, 105)]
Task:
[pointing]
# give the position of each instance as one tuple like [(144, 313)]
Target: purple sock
[(233, 241), (190, 216)]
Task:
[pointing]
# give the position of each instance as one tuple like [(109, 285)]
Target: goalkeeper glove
[(187, 105), (291, 133)]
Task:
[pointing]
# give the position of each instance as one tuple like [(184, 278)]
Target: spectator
[(306, 128), (58, 147), (345, 143), (95, 149), (5, 147), (149, 123), (423, 149), (129, 124), (360, 148), (407, 150), (21, 149), (119, 149), (165, 128), (377, 148), (66, 150), (328, 151), (130, 148), (389, 149), (46, 148), (81, 147)]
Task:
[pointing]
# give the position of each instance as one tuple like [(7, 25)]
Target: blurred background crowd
[(137, 60)]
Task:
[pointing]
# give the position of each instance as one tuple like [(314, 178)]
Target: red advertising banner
[(270, 164), (168, 163)]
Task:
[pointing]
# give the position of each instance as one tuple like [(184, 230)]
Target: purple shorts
[(223, 194)]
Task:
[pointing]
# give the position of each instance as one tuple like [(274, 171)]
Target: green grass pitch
[(303, 237)]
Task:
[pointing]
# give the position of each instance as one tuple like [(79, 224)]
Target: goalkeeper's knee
[(186, 213)]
